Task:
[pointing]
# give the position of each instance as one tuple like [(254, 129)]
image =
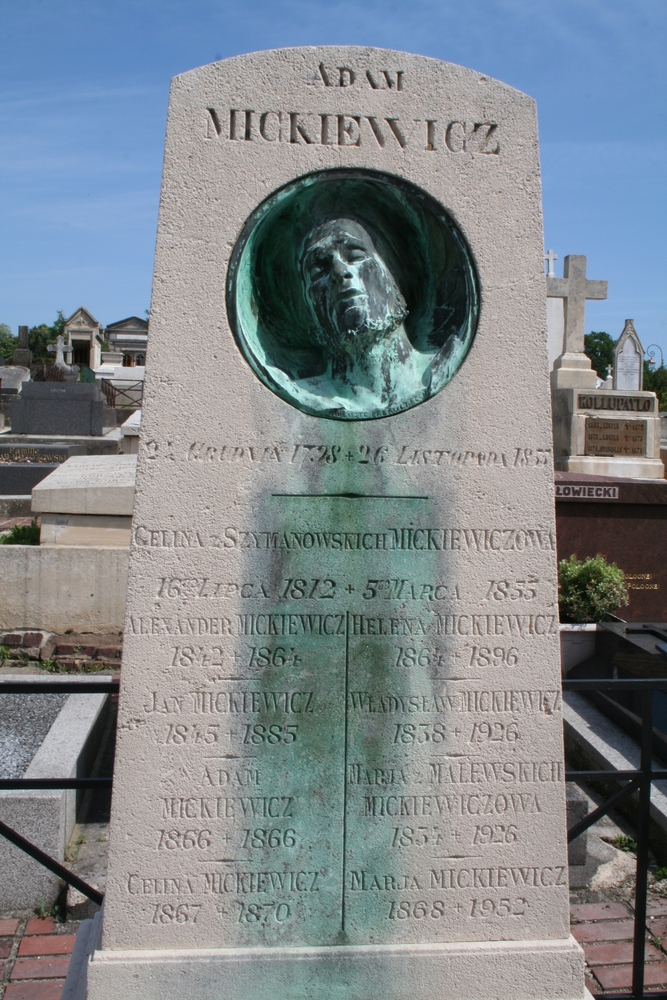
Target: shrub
[(22, 534), (589, 590)]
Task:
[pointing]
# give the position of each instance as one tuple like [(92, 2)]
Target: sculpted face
[(350, 288)]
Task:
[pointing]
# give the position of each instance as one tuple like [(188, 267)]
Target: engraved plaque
[(615, 437), (340, 750)]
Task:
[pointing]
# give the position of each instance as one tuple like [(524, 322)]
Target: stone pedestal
[(606, 432), (87, 501)]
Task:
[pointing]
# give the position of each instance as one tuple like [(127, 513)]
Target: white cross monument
[(573, 368), (60, 349), (551, 257)]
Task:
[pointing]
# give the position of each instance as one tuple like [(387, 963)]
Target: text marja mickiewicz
[(299, 128)]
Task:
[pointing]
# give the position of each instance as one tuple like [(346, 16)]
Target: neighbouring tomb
[(67, 408), (23, 355), (87, 501), (85, 336), (624, 521), (600, 431), (339, 766), (629, 360), (12, 378)]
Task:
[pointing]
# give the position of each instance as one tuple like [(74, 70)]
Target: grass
[(624, 843), (87, 667), (22, 534)]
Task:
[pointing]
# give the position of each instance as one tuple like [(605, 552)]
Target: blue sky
[(83, 99)]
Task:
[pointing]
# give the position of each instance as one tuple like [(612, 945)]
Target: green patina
[(348, 735), (353, 294)]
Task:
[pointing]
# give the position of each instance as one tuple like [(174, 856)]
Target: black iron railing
[(637, 782), (130, 394), (23, 784)]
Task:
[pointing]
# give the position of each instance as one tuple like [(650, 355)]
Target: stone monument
[(629, 360), (340, 766), (23, 355), (60, 349), (599, 431)]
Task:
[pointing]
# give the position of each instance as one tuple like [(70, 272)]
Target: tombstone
[(61, 408), (599, 430), (60, 349), (12, 378), (573, 367), (87, 501), (23, 355), (629, 360), (339, 766)]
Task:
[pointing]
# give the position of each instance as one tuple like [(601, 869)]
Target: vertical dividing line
[(644, 819), (347, 670)]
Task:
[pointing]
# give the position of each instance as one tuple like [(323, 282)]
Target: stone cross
[(551, 257), (575, 288), (60, 348)]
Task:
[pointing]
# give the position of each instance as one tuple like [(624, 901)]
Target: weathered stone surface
[(59, 587), (89, 484), (339, 762)]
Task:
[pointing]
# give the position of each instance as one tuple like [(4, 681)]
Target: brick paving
[(605, 931), (34, 957), (8, 522)]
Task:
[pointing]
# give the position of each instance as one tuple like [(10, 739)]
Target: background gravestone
[(61, 408), (629, 360), (339, 766)]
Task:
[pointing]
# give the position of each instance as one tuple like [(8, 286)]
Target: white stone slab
[(98, 530), (60, 587), (343, 631), (88, 484)]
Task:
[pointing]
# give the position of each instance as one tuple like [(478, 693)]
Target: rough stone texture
[(46, 817), (61, 587), (24, 722), (303, 674), (89, 484), (61, 408), (84, 529)]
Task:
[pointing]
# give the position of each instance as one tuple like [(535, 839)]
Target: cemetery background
[(618, 914)]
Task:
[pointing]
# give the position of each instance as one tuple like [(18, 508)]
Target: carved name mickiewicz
[(300, 128)]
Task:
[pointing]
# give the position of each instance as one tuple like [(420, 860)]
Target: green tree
[(589, 590), (656, 381), (8, 343), (41, 336), (599, 347)]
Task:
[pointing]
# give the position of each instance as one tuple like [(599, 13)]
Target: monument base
[(611, 466), (538, 970), (607, 432)]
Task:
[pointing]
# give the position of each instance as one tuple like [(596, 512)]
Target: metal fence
[(634, 781), (130, 394), (23, 784)]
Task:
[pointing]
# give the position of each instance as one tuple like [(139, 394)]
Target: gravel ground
[(25, 719)]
